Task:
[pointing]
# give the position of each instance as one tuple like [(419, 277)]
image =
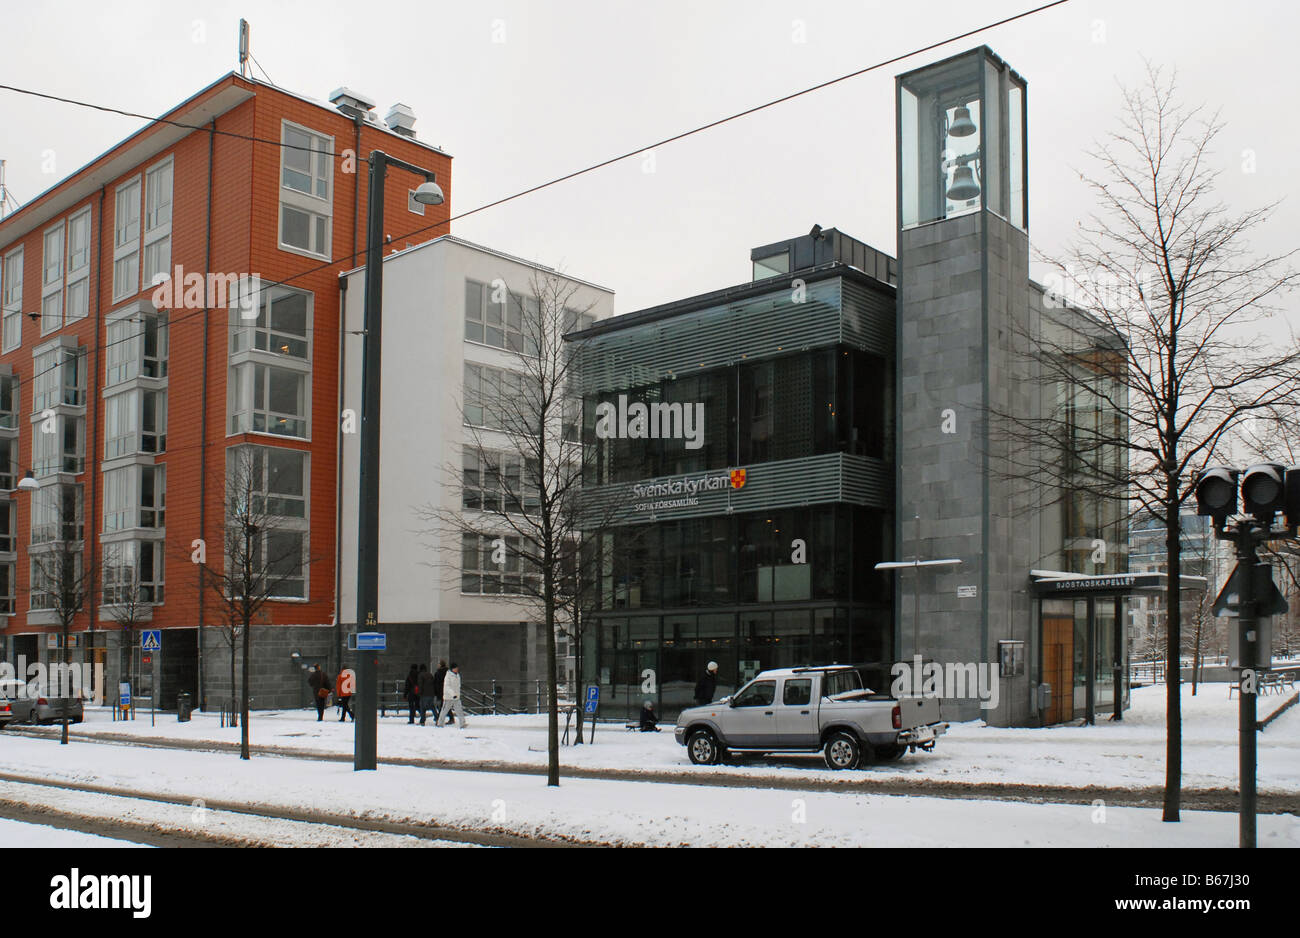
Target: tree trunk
[(580, 701), (1173, 657), (243, 707), (63, 737), (552, 708)]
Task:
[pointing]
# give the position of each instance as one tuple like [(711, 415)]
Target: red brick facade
[(241, 180)]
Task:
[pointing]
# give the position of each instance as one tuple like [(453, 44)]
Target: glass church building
[(752, 540), (754, 453)]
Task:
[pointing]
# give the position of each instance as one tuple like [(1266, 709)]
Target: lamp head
[(429, 193)]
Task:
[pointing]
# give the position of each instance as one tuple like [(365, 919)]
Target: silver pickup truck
[(823, 709)]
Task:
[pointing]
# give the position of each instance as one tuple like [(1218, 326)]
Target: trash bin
[(184, 705)]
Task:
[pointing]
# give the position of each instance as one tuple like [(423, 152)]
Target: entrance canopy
[(1056, 582)]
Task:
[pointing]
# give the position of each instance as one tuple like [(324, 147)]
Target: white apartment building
[(452, 313)]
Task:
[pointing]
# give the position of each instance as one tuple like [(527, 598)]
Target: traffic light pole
[(1245, 539)]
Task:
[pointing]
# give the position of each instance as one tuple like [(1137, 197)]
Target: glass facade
[(789, 585)]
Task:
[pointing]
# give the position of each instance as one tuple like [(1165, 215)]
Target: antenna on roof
[(243, 47), (5, 197)]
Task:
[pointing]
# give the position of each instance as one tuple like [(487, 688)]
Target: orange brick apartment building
[(125, 413)]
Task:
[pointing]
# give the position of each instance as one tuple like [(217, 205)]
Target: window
[(280, 482), (135, 422), (52, 280), (136, 347), (6, 527), (306, 205), (758, 694), (59, 378), (266, 399), (12, 293), (45, 580), (277, 481), (57, 445), (77, 297), (7, 588), (499, 482), (772, 266), (57, 514), (158, 223), (8, 402), (282, 326), (502, 319), (126, 240), (491, 398), (8, 463), (797, 693), (135, 497), (481, 574), (133, 573)]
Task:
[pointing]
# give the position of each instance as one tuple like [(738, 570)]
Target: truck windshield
[(841, 682)]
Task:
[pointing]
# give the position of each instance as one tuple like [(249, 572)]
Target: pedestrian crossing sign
[(151, 640)]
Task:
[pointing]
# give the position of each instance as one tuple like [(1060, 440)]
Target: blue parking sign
[(593, 698)]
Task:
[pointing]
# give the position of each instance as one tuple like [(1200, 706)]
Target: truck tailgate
[(918, 711)]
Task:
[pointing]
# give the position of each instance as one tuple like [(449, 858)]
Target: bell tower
[(963, 250)]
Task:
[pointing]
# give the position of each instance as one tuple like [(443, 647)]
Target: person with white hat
[(708, 684)]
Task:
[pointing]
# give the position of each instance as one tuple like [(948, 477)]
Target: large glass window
[(77, 302), (277, 482), (57, 514), (126, 240), (135, 497), (11, 295), (306, 208), (52, 281), (136, 347), (133, 573), (267, 399), (158, 223), (495, 316), (282, 326), (492, 398), (492, 565), (135, 422)]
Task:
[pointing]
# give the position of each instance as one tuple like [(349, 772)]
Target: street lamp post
[(365, 742)]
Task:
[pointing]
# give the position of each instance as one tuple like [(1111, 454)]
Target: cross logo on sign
[(151, 640)]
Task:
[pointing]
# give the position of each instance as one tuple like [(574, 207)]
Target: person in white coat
[(451, 696)]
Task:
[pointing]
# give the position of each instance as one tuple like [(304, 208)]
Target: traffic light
[(1263, 492), (1292, 485), (1216, 494)]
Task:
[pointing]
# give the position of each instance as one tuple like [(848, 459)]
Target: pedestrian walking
[(344, 685), (451, 695), (649, 720), (427, 704), (439, 677), (412, 691), (319, 682), (707, 685)]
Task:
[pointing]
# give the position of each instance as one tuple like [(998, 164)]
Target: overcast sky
[(519, 91)]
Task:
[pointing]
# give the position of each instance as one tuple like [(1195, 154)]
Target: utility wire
[(557, 180)]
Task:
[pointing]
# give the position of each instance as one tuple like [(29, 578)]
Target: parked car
[(815, 709), (15, 705), (27, 703)]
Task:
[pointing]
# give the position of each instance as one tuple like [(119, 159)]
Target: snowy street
[(220, 797)]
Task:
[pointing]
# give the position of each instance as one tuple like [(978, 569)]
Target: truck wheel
[(842, 751), (703, 748)]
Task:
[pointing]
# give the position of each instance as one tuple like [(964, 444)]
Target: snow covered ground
[(22, 834), (1127, 754), (609, 811)]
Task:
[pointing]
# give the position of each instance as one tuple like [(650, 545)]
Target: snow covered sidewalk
[(1129, 754), (623, 812)]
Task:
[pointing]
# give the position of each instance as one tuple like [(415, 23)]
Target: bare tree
[(1165, 265), (263, 553), (61, 583)]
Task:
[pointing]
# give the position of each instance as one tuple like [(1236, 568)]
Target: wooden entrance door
[(1058, 666)]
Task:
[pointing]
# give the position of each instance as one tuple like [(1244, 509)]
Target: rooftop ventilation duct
[(353, 104), (401, 120)]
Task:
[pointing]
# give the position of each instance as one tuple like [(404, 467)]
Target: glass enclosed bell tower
[(961, 139)]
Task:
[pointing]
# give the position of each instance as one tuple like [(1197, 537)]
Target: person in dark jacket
[(649, 721), (426, 693), (439, 678), (707, 686), (319, 681), (411, 691)]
